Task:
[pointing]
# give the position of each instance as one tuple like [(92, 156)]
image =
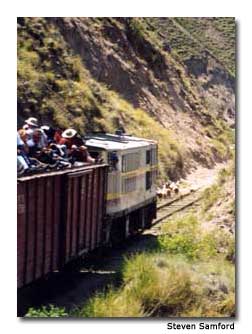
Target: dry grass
[(158, 285)]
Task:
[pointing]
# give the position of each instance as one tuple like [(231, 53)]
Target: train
[(62, 215)]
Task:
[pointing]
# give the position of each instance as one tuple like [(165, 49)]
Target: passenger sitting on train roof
[(23, 136), (57, 136), (31, 124), (37, 142), (26, 164), (50, 133), (22, 159), (80, 154), (70, 137), (60, 150)]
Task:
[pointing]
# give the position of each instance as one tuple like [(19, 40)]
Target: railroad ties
[(179, 203)]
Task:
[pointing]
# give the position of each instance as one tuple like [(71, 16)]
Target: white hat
[(69, 133), (45, 127), (32, 121)]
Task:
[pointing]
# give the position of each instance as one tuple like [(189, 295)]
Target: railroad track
[(165, 210)]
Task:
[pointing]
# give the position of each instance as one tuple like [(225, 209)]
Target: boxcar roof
[(69, 171), (115, 142)]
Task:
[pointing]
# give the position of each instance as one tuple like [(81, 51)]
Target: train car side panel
[(83, 209), (31, 231), (95, 200), (48, 224), (40, 228), (84, 215), (21, 235), (57, 198)]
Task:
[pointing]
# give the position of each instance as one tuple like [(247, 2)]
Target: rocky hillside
[(163, 78)]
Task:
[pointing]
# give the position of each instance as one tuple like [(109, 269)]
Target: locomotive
[(64, 214)]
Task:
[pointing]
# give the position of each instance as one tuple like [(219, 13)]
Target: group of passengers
[(42, 148)]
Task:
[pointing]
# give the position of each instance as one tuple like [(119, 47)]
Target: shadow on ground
[(83, 277)]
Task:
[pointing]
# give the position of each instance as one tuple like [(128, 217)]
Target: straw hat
[(69, 133), (32, 121)]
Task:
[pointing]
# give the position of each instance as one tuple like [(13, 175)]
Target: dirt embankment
[(185, 98), (95, 73)]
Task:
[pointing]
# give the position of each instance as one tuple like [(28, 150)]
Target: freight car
[(62, 215), (59, 217)]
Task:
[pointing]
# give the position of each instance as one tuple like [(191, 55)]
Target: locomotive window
[(130, 161), (154, 177), (129, 184), (113, 160), (148, 180), (154, 156), (113, 184), (94, 154), (148, 157)]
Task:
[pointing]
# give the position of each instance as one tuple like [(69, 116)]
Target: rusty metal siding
[(84, 214), (40, 229), (48, 224), (21, 235), (83, 209), (57, 222), (59, 215), (89, 216), (101, 208), (30, 231), (94, 209)]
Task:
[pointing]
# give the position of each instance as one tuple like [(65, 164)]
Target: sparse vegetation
[(198, 35), (217, 191)]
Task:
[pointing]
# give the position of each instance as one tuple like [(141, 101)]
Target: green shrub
[(47, 312), (210, 196), (185, 237), (156, 284), (113, 303)]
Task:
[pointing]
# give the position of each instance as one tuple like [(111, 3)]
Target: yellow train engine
[(131, 188)]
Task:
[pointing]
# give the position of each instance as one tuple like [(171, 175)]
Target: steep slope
[(206, 46), (94, 74)]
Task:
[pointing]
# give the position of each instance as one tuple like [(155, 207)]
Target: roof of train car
[(86, 166), (116, 142)]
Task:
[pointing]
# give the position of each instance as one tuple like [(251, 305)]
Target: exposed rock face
[(129, 57)]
